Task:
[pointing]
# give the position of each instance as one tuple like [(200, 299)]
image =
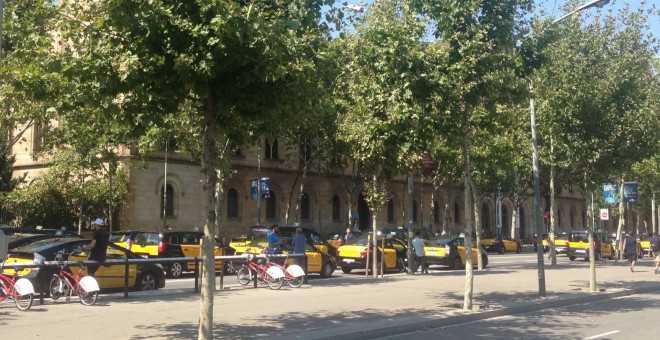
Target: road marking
[(601, 335)]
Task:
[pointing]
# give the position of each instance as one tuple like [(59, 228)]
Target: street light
[(535, 152)]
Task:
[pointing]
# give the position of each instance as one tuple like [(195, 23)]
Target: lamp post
[(535, 152)]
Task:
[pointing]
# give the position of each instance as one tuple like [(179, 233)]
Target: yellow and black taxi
[(450, 251), (167, 244), (561, 243), (318, 262), (578, 245), (645, 244), (501, 244), (354, 255), (402, 233), (256, 237), (337, 239), (142, 276)]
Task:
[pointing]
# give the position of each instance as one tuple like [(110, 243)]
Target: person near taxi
[(299, 243), (98, 247), (348, 237), (655, 249), (630, 249), (274, 242), (420, 255)]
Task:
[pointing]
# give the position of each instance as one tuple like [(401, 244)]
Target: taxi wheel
[(501, 250), (327, 270), (572, 258), (519, 249), (148, 281), (175, 270), (484, 260), (346, 270)]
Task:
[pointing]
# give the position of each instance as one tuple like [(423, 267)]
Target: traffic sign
[(604, 215)]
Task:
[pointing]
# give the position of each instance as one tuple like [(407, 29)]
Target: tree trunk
[(208, 268), (592, 254), (450, 200), (374, 230), (288, 203), (621, 224), (467, 299), (480, 264), (551, 234)]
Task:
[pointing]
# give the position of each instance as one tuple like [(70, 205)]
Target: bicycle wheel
[(275, 283), (58, 288), (86, 298), (244, 275), (295, 282), (24, 302)]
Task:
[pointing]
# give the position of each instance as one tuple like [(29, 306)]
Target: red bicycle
[(20, 290), (294, 275), (65, 283), (257, 268)]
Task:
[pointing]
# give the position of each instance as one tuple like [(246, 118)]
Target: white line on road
[(601, 335)]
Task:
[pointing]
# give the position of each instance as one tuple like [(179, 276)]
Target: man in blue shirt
[(273, 240), (420, 254), (299, 243), (630, 249)]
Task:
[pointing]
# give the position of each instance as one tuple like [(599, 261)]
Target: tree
[(232, 65), (381, 88)]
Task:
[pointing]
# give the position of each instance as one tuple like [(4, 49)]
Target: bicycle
[(294, 275), (21, 291), (65, 283), (257, 269)]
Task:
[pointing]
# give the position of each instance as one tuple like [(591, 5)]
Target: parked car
[(19, 239), (256, 237), (354, 256), (501, 244), (561, 243), (167, 244), (645, 244), (450, 251), (578, 245), (23, 230), (337, 239), (402, 233), (143, 276)]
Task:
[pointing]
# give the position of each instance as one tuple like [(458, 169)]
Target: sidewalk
[(336, 308)]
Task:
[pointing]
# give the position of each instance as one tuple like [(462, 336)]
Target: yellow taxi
[(143, 276), (645, 244), (354, 255), (578, 246), (561, 243), (256, 237), (318, 262), (167, 244), (501, 244), (450, 251)]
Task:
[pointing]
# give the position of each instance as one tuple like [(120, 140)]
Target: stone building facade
[(325, 204)]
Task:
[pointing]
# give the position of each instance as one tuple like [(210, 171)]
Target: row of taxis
[(446, 250)]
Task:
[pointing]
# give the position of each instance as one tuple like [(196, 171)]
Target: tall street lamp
[(535, 153)]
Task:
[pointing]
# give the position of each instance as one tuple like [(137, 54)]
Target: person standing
[(299, 243), (420, 255), (98, 247), (630, 249), (655, 248), (274, 241), (348, 237)]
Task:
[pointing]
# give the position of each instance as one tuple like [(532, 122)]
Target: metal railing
[(224, 260)]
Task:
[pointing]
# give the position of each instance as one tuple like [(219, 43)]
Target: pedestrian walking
[(420, 254), (630, 249), (655, 249)]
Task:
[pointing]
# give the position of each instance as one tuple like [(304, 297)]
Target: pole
[(165, 189), (537, 193), (259, 186), (409, 212)]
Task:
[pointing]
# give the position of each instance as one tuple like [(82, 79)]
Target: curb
[(377, 330)]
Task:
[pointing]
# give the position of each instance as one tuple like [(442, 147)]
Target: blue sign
[(265, 188), (630, 192), (610, 191)]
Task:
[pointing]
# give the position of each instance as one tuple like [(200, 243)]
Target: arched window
[(271, 206), (167, 202), (336, 208), (390, 210), (415, 211), (271, 149), (436, 212), (457, 213), (232, 203), (304, 207)]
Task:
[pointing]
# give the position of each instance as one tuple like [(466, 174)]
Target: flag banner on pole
[(610, 191), (254, 189), (265, 187), (630, 192)]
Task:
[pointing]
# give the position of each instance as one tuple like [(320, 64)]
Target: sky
[(553, 8)]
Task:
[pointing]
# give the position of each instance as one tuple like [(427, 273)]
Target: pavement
[(335, 308)]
